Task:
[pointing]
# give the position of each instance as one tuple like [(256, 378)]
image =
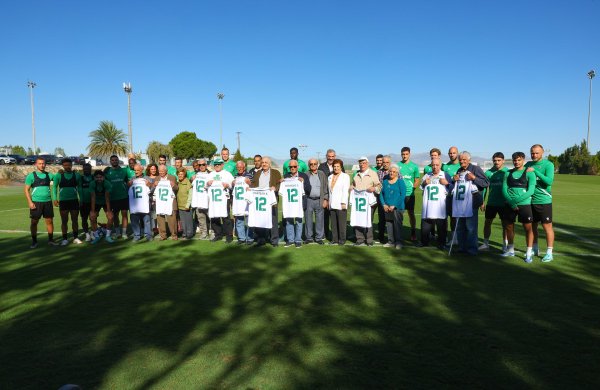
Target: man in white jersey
[(293, 190), (361, 215), (436, 186), (200, 198), (469, 182), (139, 204), (268, 178), (166, 204), (219, 187), (239, 207), (260, 203)]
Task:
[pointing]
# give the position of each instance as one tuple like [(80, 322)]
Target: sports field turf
[(178, 315)]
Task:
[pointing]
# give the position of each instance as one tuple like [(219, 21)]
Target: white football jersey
[(164, 196), (139, 197), (240, 205), (462, 197), (291, 191), (434, 200), (360, 203), (223, 176), (260, 201), (217, 200), (199, 192)]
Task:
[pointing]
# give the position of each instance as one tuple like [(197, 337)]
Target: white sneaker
[(88, 237), (64, 242), (508, 254), (77, 241), (484, 247), (53, 243)]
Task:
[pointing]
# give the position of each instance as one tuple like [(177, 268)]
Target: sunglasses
[(293, 166), (202, 165), (312, 164)]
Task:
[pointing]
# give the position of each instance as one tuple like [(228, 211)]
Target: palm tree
[(107, 140)]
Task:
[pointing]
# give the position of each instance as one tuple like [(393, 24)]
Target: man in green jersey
[(541, 201), (100, 200), (518, 187), (162, 160), (495, 200), (174, 169), (130, 168), (412, 178), (434, 153), (302, 167), (85, 199), (119, 198), (228, 164), (39, 200), (66, 197), (453, 165)]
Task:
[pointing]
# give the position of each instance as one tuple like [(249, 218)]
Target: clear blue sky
[(362, 77)]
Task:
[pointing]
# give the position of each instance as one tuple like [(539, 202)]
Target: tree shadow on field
[(217, 316)]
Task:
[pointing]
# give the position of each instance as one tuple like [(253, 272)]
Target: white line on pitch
[(567, 232), (5, 211)]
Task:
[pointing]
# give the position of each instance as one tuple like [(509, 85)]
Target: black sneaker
[(308, 242), (288, 244), (298, 245), (320, 242), (216, 239)]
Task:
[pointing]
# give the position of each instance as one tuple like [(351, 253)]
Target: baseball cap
[(363, 158)]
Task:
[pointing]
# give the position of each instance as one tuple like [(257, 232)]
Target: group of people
[(177, 203)]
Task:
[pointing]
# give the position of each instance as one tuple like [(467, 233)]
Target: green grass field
[(179, 315)]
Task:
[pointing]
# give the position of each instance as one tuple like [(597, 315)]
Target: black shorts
[(409, 202), (542, 212), (491, 211), (68, 205), (84, 209), (42, 209), (524, 213), (119, 205), (100, 207)]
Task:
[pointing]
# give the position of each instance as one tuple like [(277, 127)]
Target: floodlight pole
[(127, 88), (220, 97), (31, 85), (591, 74)]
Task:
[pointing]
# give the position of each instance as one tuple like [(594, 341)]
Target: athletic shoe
[(136, 240), (398, 246), (529, 259), (109, 239), (298, 245), (240, 242), (64, 242), (77, 241), (484, 247), (332, 243), (320, 242), (388, 245), (53, 243), (508, 254), (288, 245), (33, 245), (88, 237), (96, 239), (547, 258)]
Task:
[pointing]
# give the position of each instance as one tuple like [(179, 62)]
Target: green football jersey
[(99, 190), (544, 177), (69, 190), (451, 169), (494, 191), (518, 196), (39, 193), (229, 166), (84, 188), (302, 167), (118, 179), (410, 173)]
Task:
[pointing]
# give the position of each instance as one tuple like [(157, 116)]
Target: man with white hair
[(316, 203), (469, 182), (365, 180), (268, 178)]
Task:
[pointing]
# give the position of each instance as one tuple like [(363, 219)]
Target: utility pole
[(31, 85), (238, 140), (128, 90), (220, 97), (591, 74), (319, 157)]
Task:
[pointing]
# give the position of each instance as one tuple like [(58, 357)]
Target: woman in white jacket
[(339, 187)]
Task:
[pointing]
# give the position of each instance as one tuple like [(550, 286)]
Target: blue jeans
[(466, 232), (136, 221), (244, 233), (293, 229)]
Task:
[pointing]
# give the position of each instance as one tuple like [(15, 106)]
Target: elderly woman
[(339, 187), (393, 193)]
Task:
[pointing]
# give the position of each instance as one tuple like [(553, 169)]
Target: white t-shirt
[(462, 198), (240, 204), (139, 197), (361, 202), (164, 196), (260, 201), (217, 200), (223, 176), (434, 198), (199, 192), (291, 191)]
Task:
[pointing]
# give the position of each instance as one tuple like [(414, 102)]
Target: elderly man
[(469, 182), (316, 203), (239, 208), (220, 219), (200, 198), (365, 180), (139, 205), (294, 157), (382, 173), (327, 168), (541, 201), (292, 206), (166, 203), (268, 178), (435, 185)]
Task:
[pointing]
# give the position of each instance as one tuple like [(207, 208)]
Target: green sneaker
[(109, 239), (547, 258)]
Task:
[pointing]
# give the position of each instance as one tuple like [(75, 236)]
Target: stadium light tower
[(591, 74), (127, 88), (31, 85), (220, 97)]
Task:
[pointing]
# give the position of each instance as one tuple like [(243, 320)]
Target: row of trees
[(577, 160)]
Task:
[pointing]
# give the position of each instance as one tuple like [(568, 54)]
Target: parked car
[(20, 159), (51, 159), (4, 159), (30, 160)]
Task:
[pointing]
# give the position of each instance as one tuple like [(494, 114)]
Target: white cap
[(363, 158)]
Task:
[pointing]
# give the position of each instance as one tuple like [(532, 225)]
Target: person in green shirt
[(434, 153), (541, 201), (100, 200), (130, 168), (228, 164), (518, 187), (85, 199), (495, 200), (39, 200), (174, 169), (302, 167), (409, 172), (66, 197), (119, 198), (453, 165)]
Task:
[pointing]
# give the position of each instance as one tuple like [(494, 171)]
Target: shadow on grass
[(215, 316)]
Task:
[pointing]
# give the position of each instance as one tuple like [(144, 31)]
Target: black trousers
[(338, 225), (222, 227), (427, 226)]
